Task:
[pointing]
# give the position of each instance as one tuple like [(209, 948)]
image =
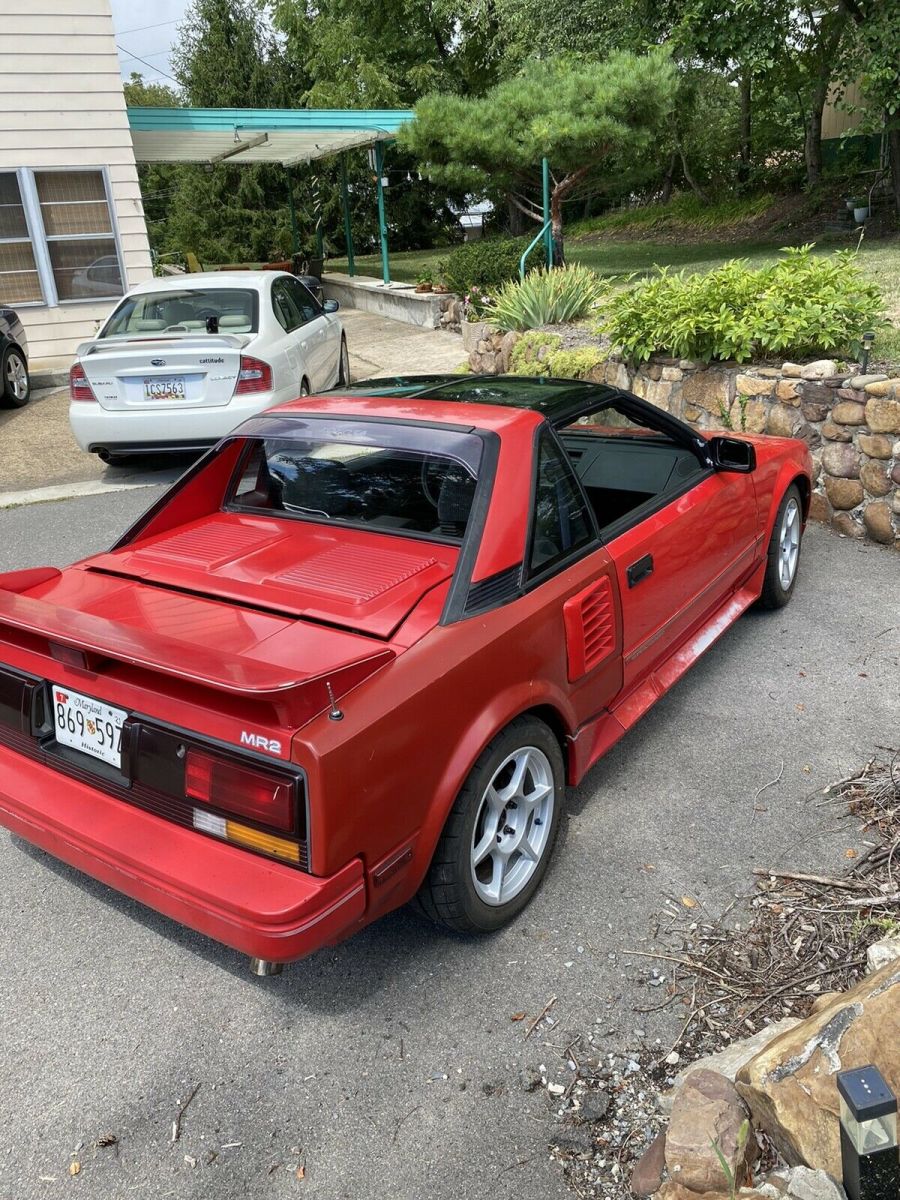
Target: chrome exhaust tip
[(262, 966)]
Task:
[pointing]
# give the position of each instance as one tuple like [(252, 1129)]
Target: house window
[(78, 229), (20, 282)]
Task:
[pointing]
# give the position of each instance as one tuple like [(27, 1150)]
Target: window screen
[(19, 279), (79, 232), (561, 522)]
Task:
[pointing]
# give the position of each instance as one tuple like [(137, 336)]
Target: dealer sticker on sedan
[(88, 725)]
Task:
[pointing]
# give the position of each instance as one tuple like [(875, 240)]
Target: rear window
[(401, 479), (194, 310)]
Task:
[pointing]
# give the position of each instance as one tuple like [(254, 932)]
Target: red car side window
[(561, 522)]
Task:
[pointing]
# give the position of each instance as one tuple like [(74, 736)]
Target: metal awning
[(271, 135), (253, 135)]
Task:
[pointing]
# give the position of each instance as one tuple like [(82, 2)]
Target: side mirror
[(331, 306), (732, 454)]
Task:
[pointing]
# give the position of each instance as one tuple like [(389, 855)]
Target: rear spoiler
[(189, 341), (84, 641)]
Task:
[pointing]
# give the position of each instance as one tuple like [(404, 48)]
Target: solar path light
[(869, 1155)]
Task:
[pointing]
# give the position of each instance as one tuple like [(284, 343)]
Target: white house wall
[(62, 105)]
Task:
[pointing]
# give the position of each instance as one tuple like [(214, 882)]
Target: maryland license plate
[(88, 725)]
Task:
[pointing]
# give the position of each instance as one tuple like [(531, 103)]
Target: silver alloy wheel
[(304, 388), (16, 376), (345, 363), (789, 543), (512, 827)]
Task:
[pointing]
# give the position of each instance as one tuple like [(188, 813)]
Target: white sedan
[(181, 361)]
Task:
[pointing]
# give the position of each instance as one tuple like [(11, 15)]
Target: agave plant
[(547, 298)]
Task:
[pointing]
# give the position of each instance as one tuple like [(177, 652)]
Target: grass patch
[(684, 212), (879, 261)]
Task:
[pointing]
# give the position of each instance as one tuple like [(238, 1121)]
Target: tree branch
[(533, 214), (568, 182)]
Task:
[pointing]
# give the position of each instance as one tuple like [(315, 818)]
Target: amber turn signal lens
[(254, 839)]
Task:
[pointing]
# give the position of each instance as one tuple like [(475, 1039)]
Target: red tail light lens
[(244, 791), (79, 386), (254, 376)]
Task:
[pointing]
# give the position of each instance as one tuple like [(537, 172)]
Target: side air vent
[(590, 628), (496, 589)]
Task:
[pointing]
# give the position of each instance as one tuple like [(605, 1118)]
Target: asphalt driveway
[(37, 449), (389, 1066)]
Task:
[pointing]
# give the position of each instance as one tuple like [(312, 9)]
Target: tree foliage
[(592, 120), (497, 84)]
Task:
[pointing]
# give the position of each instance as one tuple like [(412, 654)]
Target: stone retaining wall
[(850, 421)]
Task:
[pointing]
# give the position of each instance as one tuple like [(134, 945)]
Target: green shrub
[(483, 265), (524, 357), (804, 304), (556, 362), (573, 364), (547, 298)]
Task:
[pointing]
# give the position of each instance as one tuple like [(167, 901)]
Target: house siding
[(62, 105), (838, 120)]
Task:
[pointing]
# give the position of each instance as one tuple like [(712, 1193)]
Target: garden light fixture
[(868, 341), (869, 1155)]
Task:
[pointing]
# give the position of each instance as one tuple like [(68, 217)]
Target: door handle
[(640, 570)]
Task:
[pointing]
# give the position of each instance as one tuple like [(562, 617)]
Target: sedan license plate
[(88, 725), (171, 388)]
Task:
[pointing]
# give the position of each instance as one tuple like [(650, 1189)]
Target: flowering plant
[(476, 303)]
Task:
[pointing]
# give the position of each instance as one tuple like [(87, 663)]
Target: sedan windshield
[(398, 478), (184, 310)]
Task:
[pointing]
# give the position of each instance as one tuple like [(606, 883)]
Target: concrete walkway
[(39, 459)]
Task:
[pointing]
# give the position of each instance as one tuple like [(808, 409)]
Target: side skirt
[(601, 733)]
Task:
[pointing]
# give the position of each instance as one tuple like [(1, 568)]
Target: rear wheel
[(500, 834), (783, 557), (304, 386), (344, 365), (15, 386)]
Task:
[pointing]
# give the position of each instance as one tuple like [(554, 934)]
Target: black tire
[(343, 365), (304, 386), (13, 368), (775, 593), (449, 896)]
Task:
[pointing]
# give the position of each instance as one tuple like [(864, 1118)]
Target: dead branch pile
[(807, 934)]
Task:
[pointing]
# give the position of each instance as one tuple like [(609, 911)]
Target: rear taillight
[(257, 795), (79, 387), (254, 376)]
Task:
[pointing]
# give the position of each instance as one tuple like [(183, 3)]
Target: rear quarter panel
[(387, 774)]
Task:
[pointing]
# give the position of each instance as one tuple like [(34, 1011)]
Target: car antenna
[(335, 714)]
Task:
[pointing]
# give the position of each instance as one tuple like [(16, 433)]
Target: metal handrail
[(537, 238)]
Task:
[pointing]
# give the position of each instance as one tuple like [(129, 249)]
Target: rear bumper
[(265, 910), (139, 430)]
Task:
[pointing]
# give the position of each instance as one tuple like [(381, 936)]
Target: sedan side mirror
[(331, 306), (732, 454)]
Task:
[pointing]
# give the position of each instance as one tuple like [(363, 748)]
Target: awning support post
[(295, 231), (545, 181), (348, 231), (382, 220)]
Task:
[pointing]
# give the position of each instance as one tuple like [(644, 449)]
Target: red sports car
[(356, 653)]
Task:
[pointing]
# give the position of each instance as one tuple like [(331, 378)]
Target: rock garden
[(788, 350)]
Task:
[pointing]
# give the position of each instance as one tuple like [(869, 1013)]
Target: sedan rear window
[(186, 310), (403, 479)]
